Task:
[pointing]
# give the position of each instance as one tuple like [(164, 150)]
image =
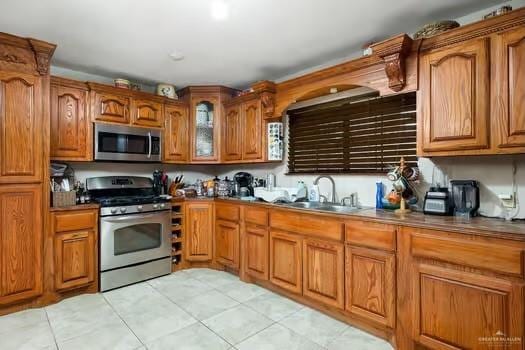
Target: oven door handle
[(149, 148), (132, 217)]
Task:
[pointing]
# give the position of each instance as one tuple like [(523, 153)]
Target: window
[(364, 134)]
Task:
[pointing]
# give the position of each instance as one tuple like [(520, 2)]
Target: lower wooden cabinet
[(198, 229), (286, 261), (75, 247), (20, 242), (370, 284), (227, 243), (323, 272), (256, 251)]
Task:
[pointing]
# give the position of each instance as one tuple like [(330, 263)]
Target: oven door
[(136, 238), (124, 143)]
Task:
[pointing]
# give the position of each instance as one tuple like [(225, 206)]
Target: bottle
[(313, 194), (379, 195)]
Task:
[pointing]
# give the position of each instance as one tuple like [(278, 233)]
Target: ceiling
[(261, 39)]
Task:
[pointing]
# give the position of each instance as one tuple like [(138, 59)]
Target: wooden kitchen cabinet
[(21, 239), (21, 124), (75, 237), (508, 89), (198, 229), (456, 291), (232, 146), (256, 251), (176, 134), (147, 112), (454, 99), (252, 132), (227, 236), (370, 284), (110, 107), (71, 132), (323, 272), (286, 256)]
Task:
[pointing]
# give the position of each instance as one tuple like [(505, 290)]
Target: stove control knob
[(155, 206), (113, 210), (140, 207), (122, 210), (162, 206)]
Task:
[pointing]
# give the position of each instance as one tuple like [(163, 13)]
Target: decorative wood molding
[(43, 52), (266, 89), (10, 58), (393, 52)]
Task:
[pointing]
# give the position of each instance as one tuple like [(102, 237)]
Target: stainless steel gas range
[(134, 230)]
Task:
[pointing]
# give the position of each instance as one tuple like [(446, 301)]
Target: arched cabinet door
[(232, 145), (509, 88), (176, 134), (455, 99), (110, 107), (252, 132), (21, 142), (147, 113)]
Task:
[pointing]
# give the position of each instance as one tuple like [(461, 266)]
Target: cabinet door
[(176, 138), (455, 98), (199, 232), (323, 272), (74, 259), (286, 261), (20, 242), (147, 113), (227, 243), (110, 108), (256, 251), (205, 116), (252, 130), (20, 128), (509, 88), (461, 310), (370, 284), (231, 144), (70, 128)]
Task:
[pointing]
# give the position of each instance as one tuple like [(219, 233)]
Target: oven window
[(122, 143), (137, 237)]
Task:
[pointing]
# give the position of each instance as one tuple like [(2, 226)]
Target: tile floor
[(191, 309)]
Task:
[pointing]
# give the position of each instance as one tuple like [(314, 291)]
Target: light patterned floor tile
[(354, 338), (208, 304), (277, 337), (194, 337), (273, 306)]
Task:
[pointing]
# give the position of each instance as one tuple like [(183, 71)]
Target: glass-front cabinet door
[(205, 119)]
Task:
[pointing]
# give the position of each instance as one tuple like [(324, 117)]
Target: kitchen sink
[(330, 207), (304, 205)]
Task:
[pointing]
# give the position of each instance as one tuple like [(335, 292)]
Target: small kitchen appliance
[(438, 201), (245, 181), (135, 230), (465, 194)]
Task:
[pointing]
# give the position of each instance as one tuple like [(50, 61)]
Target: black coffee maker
[(244, 184), (465, 194)]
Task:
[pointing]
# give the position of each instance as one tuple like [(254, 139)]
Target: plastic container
[(379, 195)]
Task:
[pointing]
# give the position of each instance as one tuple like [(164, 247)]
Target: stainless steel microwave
[(125, 143)]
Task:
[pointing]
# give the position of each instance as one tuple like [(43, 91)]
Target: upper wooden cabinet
[(21, 125), (232, 145), (455, 98), (198, 229), (71, 131), (147, 113), (21, 239), (509, 89), (176, 134), (110, 107), (253, 133)]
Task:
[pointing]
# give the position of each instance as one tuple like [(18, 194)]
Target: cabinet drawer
[(75, 221), (307, 224), (227, 212), (256, 216), (370, 234), (486, 255)]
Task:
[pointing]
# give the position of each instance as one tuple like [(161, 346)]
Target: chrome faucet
[(316, 182), (353, 200)]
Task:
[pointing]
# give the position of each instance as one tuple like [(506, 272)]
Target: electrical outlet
[(508, 200)]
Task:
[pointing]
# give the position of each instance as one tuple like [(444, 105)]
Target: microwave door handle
[(149, 150)]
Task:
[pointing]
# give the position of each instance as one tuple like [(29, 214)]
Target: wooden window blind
[(361, 134)]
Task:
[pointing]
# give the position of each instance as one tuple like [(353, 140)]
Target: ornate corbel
[(43, 52), (266, 90), (393, 52)]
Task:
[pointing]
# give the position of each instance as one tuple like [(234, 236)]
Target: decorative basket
[(435, 28), (64, 199)]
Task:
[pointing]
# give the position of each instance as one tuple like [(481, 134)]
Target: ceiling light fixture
[(219, 10), (177, 55)]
